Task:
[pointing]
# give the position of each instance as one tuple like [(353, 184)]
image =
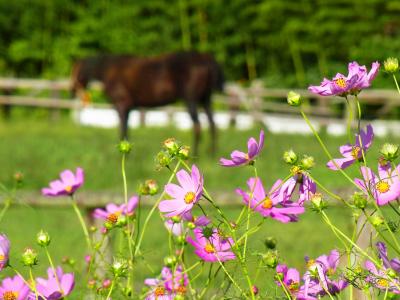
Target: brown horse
[(132, 82)]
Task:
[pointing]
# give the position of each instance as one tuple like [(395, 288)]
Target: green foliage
[(290, 43)]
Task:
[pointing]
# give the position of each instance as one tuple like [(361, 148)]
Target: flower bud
[(106, 283), (317, 202), (119, 267), (391, 65), (108, 225), (43, 238), (170, 261), (191, 225), (184, 152), (121, 221), (149, 187), (91, 283), (29, 257), (270, 259), (390, 151), (93, 229), (295, 170), (125, 147), (293, 98), (181, 240), (290, 157), (254, 289), (18, 177), (176, 219), (207, 232), (171, 145), (377, 221), (270, 242), (359, 199), (307, 162), (163, 159)]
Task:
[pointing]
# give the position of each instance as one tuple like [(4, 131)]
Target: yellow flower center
[(10, 295), (113, 217), (294, 286), (267, 204), (209, 248), (159, 291), (3, 260), (340, 82), (68, 189), (295, 170), (355, 151), (189, 197), (382, 186), (330, 271), (181, 289), (383, 282), (310, 263)]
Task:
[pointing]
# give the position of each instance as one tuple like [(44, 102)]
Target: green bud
[(18, 177), (181, 240), (377, 221), (390, 151), (307, 162), (43, 238), (270, 242), (293, 98), (119, 267), (170, 261), (278, 276), (184, 152), (122, 221), (391, 65), (270, 259), (108, 225), (29, 257), (149, 187), (359, 199), (124, 147), (93, 229), (171, 145), (191, 225), (317, 202), (290, 157), (163, 159), (176, 219)]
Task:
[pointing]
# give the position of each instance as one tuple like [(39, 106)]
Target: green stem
[(33, 283), (111, 289), (349, 119), (284, 288), (82, 222), (326, 150), (5, 208), (52, 266), (395, 81), (230, 278)]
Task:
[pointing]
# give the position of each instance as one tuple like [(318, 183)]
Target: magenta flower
[(176, 228), (271, 204), (66, 185), (113, 211), (4, 251), (169, 285), (54, 288), (14, 289), (185, 195), (384, 187), (307, 188), (289, 277), (239, 158), (393, 264), (342, 85), (351, 153), (213, 248)]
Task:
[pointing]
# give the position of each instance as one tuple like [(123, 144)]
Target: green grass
[(42, 149)]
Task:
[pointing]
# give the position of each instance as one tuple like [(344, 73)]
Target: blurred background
[(265, 48)]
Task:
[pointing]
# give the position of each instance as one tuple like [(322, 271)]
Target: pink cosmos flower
[(384, 187), (290, 278), (53, 289), (14, 289), (185, 195), (270, 204), (379, 278), (351, 153), (66, 185), (4, 251), (342, 85), (169, 285), (307, 188), (211, 249), (113, 211), (239, 158)]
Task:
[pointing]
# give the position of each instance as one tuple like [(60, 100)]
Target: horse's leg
[(192, 108), (213, 132), (123, 114)]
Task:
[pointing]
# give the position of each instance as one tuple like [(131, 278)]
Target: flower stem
[(395, 81), (82, 222), (284, 288), (52, 266), (33, 283), (230, 278), (111, 289)]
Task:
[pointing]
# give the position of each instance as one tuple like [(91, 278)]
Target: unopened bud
[(121, 221), (170, 261), (106, 283), (124, 147), (119, 267), (91, 283), (43, 238), (377, 221), (307, 162), (270, 259), (18, 177), (359, 199), (181, 240), (171, 145), (176, 219), (191, 225), (317, 202), (29, 257), (184, 152), (390, 151), (290, 157), (270, 242), (293, 98), (254, 289), (163, 159), (391, 65)]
